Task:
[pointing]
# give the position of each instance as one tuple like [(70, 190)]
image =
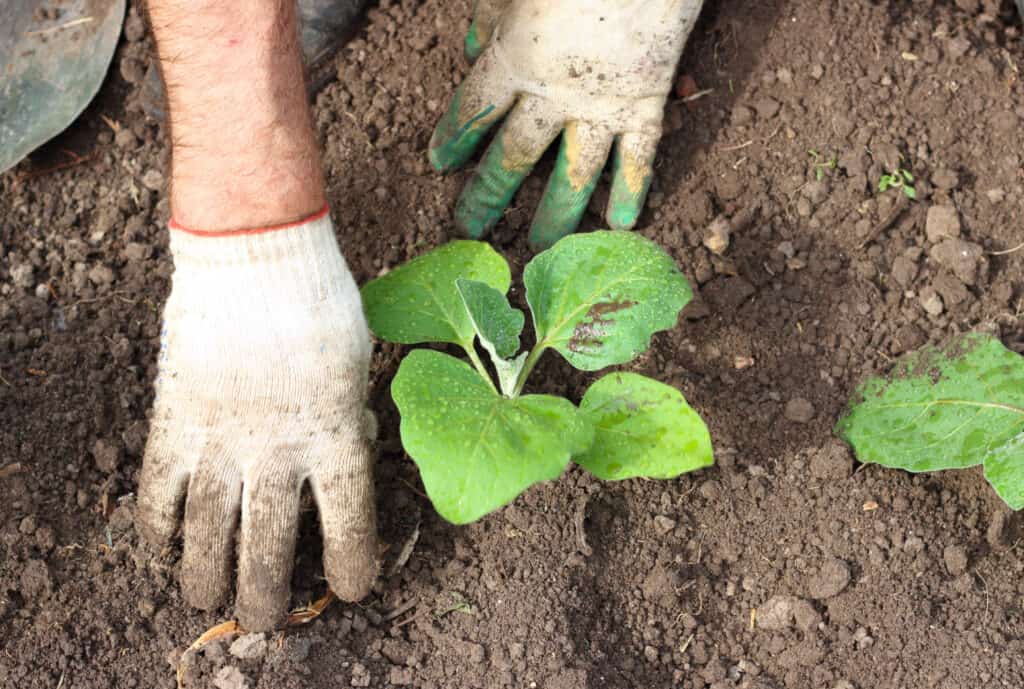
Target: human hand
[(262, 384), (596, 71)]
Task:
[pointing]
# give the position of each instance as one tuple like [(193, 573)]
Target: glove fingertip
[(352, 565), (473, 45), (623, 216)]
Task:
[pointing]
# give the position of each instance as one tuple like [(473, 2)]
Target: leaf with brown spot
[(597, 298)]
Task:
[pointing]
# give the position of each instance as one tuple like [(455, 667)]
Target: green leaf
[(475, 449), (642, 428), (497, 324), (946, 408), (418, 301), (1004, 469), (508, 371), (910, 191), (598, 297)]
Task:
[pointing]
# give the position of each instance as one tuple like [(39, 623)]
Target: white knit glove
[(262, 383), (597, 71)]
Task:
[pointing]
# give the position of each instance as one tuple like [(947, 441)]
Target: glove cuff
[(299, 261)]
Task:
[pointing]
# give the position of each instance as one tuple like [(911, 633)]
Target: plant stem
[(528, 365), (478, 365)]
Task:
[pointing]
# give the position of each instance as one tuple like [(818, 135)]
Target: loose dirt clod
[(830, 580), (799, 410)]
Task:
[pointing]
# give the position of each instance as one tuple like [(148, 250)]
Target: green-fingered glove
[(596, 71)]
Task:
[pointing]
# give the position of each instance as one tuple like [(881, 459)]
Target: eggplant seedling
[(479, 440)]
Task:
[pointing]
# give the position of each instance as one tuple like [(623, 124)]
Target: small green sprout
[(900, 179), (820, 165)]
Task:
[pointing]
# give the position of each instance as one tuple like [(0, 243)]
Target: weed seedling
[(477, 439), (900, 179), (820, 165)]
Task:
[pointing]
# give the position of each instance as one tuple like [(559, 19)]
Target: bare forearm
[(243, 149)]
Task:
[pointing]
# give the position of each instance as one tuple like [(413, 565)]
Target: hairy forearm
[(244, 153)]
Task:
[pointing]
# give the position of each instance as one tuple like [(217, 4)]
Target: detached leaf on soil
[(947, 408), (475, 449), (642, 428), (597, 298), (418, 302)]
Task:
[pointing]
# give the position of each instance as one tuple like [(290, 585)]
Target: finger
[(485, 19), (522, 140), (631, 178), (161, 485), (343, 489), (581, 158), (270, 521), (211, 514), (480, 101)]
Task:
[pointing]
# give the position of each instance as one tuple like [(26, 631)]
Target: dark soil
[(862, 577)]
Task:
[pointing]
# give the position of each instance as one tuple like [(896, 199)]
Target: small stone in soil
[(961, 257), (153, 179), (903, 271), (767, 108), (27, 525), (716, 235), (942, 223), (107, 456), (830, 580), (955, 557), (908, 338), (663, 524), (832, 462), (945, 179), (249, 646), (995, 535), (477, 653), (230, 677), (101, 275), (931, 302), (782, 612), (23, 275), (799, 410)]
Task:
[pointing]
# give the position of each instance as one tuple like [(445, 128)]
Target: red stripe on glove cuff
[(255, 230)]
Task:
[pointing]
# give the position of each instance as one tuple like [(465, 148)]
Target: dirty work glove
[(262, 382), (596, 71)]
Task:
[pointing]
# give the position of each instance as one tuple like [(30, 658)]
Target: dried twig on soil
[(298, 616), (579, 521), (406, 552), (213, 633), (10, 470), (696, 96), (737, 147), (401, 609), (308, 613), (1007, 251), (75, 160), (5, 381), (886, 222)]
